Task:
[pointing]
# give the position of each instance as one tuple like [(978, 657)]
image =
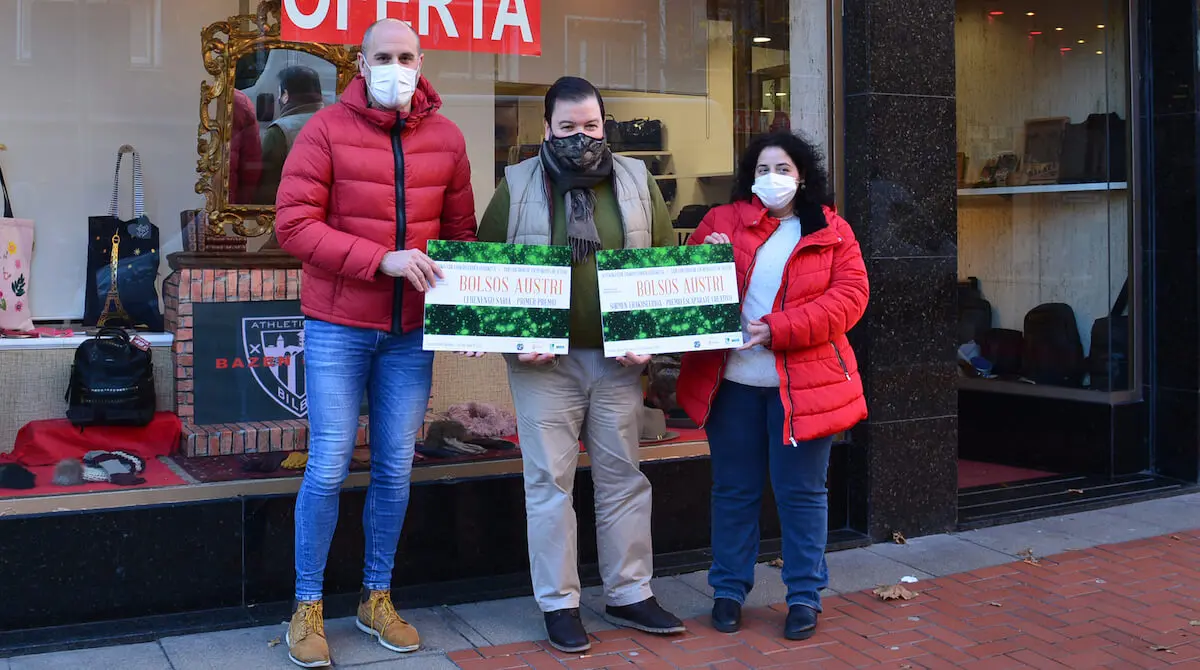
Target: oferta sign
[(486, 26)]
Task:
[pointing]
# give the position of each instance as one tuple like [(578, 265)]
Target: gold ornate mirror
[(262, 93)]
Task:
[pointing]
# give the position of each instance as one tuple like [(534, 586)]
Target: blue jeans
[(341, 363), (745, 438)]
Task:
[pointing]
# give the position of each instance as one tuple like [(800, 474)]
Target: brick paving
[(1130, 605)]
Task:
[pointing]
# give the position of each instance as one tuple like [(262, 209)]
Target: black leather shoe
[(726, 615), (566, 632), (646, 616), (801, 623)]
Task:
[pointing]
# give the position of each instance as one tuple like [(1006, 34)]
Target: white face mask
[(775, 190), (392, 86)]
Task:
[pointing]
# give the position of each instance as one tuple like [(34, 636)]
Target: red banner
[(487, 26)]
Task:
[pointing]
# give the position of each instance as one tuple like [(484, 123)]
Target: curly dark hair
[(804, 154)]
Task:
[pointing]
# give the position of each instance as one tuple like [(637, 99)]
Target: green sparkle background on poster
[(657, 257), (645, 324), (486, 321), (498, 254)]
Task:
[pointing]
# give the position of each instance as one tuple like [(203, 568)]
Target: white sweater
[(756, 367)]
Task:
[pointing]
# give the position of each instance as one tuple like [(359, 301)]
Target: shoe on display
[(306, 643), (377, 617), (647, 616), (801, 623), (726, 615), (565, 630)]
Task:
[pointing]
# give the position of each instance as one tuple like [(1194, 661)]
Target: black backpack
[(1053, 352), (112, 381), (974, 312), (1108, 363), (1003, 348)]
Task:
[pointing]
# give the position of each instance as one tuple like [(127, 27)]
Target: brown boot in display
[(306, 636), (377, 617)]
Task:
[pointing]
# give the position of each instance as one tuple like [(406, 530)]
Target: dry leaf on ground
[(996, 604), (899, 538), (1075, 491), (775, 562), (1194, 623), (1162, 648), (1176, 538), (894, 592), (1027, 556), (274, 643)]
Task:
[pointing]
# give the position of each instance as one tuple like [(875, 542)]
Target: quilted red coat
[(823, 294), (340, 208)]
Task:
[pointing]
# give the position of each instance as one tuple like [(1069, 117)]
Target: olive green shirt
[(586, 330)]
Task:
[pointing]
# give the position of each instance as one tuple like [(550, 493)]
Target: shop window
[(1045, 215), (680, 65)]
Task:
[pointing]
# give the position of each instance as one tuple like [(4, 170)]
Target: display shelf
[(644, 153), (1043, 188), (660, 177)]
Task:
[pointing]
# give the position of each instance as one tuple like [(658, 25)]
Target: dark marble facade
[(1171, 292), (900, 198)]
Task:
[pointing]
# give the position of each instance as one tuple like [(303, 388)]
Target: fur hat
[(481, 419)]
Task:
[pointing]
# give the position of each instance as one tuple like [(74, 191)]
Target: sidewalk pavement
[(1117, 588)]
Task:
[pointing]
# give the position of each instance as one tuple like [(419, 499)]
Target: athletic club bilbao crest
[(274, 353)]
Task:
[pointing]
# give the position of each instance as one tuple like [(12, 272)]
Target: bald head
[(386, 29)]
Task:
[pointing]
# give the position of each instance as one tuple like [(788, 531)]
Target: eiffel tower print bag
[(16, 255), (122, 265)]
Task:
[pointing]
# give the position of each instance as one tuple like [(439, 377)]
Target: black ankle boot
[(801, 623), (566, 631), (647, 616), (726, 615)]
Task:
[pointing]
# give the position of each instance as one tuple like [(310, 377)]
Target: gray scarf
[(576, 164)]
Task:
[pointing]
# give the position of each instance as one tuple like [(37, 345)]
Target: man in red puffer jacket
[(368, 182)]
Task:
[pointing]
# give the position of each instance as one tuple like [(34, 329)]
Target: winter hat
[(68, 473), (481, 419), (13, 476), (114, 467)]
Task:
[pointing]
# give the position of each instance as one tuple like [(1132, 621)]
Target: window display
[(1045, 228), (220, 394)]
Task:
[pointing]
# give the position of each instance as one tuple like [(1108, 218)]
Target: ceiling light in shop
[(1065, 49), (1100, 26), (1035, 32), (1058, 29), (765, 111), (1030, 14), (1099, 53), (781, 95), (761, 40), (996, 13), (1081, 41)]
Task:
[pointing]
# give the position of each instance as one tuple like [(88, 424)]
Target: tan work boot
[(377, 617), (306, 636)]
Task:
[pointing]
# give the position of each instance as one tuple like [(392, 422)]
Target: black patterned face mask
[(579, 152)]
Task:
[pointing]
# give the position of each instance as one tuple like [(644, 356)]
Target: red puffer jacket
[(823, 294), (340, 208)]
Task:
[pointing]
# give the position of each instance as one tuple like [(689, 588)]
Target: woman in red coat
[(773, 406)]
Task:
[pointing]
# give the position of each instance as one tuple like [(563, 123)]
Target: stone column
[(1171, 214), (900, 196)]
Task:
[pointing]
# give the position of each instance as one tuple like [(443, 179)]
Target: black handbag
[(612, 133), (641, 135), (122, 264), (1108, 360), (112, 381)]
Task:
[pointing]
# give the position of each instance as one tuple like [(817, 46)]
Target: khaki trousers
[(583, 396)]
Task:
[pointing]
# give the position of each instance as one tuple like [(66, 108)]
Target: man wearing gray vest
[(577, 193), (299, 98)]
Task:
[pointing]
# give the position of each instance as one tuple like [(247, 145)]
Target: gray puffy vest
[(529, 214)]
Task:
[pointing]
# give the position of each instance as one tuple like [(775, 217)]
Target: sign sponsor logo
[(273, 348), (486, 26)]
